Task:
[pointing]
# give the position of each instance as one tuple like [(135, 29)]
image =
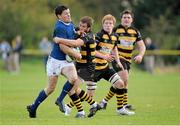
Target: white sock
[(94, 105), (104, 101), (82, 112)]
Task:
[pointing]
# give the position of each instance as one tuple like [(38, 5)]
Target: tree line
[(34, 19)]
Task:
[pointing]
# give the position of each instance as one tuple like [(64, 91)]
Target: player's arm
[(69, 51), (142, 48), (116, 56), (107, 57), (72, 43)]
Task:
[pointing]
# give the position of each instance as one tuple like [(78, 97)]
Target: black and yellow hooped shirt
[(105, 45), (127, 39), (87, 50)]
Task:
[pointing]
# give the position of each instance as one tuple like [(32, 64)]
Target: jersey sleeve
[(98, 40), (117, 40), (139, 37), (88, 38), (60, 32)]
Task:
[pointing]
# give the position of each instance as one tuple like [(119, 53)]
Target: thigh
[(125, 64), (53, 67), (69, 71), (86, 72), (98, 75), (113, 77), (124, 75), (108, 74)]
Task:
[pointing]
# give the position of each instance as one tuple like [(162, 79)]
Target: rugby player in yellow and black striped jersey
[(85, 66), (128, 38), (106, 51)]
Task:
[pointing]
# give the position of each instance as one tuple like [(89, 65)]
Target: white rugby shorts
[(55, 66)]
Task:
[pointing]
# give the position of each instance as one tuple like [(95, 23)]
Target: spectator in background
[(5, 50), (16, 52), (45, 46), (149, 60)]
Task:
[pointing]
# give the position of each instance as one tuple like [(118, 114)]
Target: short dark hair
[(59, 9), (88, 20), (127, 12)]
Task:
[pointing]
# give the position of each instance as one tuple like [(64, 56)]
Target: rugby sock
[(85, 97), (125, 97), (119, 96), (110, 94), (77, 102), (41, 97), (66, 88), (70, 104)]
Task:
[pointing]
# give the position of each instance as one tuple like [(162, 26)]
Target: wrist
[(141, 55)]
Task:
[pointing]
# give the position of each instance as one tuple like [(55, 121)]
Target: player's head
[(108, 23), (127, 18), (85, 24), (63, 13)]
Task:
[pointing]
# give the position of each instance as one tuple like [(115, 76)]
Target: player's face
[(83, 27), (126, 20), (108, 26), (66, 16)]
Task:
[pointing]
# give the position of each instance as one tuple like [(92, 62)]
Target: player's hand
[(77, 56), (109, 58), (138, 59), (79, 32)]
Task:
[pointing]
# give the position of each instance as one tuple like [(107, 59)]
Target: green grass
[(156, 98)]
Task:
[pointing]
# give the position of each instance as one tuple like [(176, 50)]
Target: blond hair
[(109, 17)]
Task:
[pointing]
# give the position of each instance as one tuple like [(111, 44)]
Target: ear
[(132, 20), (89, 28), (59, 16)]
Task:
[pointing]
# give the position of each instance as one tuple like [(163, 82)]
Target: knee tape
[(114, 78), (91, 85)]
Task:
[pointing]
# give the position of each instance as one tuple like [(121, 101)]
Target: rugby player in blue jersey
[(57, 64)]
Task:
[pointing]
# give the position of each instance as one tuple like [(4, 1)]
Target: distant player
[(128, 38), (106, 51)]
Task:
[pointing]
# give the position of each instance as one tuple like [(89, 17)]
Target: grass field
[(155, 97)]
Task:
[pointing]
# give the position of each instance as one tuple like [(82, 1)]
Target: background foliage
[(34, 19)]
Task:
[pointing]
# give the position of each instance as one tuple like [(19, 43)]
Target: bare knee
[(117, 81), (119, 84), (126, 83)]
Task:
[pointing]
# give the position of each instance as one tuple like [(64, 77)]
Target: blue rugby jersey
[(62, 30)]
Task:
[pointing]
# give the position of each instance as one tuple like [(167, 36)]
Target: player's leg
[(70, 73), (124, 74), (111, 76), (91, 88), (52, 72), (94, 106), (119, 85), (110, 94), (66, 88)]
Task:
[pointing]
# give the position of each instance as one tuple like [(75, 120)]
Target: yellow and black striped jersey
[(87, 50), (127, 38), (105, 45)]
